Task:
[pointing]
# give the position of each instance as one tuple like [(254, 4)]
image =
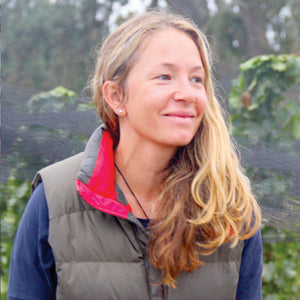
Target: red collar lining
[(100, 190), (101, 203)]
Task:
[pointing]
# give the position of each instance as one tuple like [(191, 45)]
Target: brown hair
[(206, 199)]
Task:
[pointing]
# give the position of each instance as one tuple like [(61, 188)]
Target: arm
[(250, 279), (32, 268)]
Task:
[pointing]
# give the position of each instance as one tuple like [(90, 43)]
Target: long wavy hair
[(206, 199)]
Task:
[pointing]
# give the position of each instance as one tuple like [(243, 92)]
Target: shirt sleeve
[(250, 278), (32, 269)]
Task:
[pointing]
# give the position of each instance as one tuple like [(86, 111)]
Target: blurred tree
[(258, 101), (46, 131), (195, 9), (45, 134), (264, 114), (47, 43), (240, 29)]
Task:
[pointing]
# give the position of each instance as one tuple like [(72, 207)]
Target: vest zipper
[(164, 292), (144, 253)]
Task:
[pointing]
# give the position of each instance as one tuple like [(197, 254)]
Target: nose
[(184, 91)]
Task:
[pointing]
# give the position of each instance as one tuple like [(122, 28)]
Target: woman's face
[(165, 92)]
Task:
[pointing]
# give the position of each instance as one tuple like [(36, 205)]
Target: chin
[(181, 142)]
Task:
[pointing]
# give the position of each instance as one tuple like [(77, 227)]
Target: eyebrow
[(171, 65)]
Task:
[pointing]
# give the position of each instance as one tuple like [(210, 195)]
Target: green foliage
[(52, 101), (31, 152), (46, 44), (264, 111), (260, 109), (14, 195), (37, 138), (281, 274), (232, 37)]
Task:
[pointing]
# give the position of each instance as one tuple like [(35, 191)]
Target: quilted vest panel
[(100, 256)]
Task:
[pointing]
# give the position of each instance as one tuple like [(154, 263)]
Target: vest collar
[(95, 181)]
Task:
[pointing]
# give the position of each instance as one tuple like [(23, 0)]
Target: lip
[(180, 114)]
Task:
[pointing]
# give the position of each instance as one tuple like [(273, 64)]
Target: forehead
[(167, 36), (166, 42)]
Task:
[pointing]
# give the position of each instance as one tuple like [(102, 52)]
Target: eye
[(164, 77), (197, 79)]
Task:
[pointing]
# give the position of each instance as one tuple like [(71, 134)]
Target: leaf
[(252, 84), (22, 190), (255, 62), (253, 106), (235, 96), (296, 126), (279, 66), (61, 91), (268, 271)]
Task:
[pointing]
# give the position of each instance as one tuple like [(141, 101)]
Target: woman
[(157, 206)]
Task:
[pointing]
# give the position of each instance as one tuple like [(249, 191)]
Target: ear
[(113, 96)]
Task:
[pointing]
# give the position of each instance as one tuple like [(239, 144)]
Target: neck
[(141, 167)]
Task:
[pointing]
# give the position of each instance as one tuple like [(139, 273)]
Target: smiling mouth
[(179, 119), (180, 116)]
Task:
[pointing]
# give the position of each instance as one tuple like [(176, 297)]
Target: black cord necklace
[(131, 191)]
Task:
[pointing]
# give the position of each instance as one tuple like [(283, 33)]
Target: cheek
[(202, 104)]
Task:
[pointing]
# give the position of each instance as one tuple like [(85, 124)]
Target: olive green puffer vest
[(102, 256)]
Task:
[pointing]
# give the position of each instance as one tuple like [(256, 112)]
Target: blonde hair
[(206, 199)]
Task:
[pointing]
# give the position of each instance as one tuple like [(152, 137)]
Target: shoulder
[(36, 208), (61, 170), (253, 243), (59, 183)]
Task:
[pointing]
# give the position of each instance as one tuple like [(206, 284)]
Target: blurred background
[(48, 56)]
